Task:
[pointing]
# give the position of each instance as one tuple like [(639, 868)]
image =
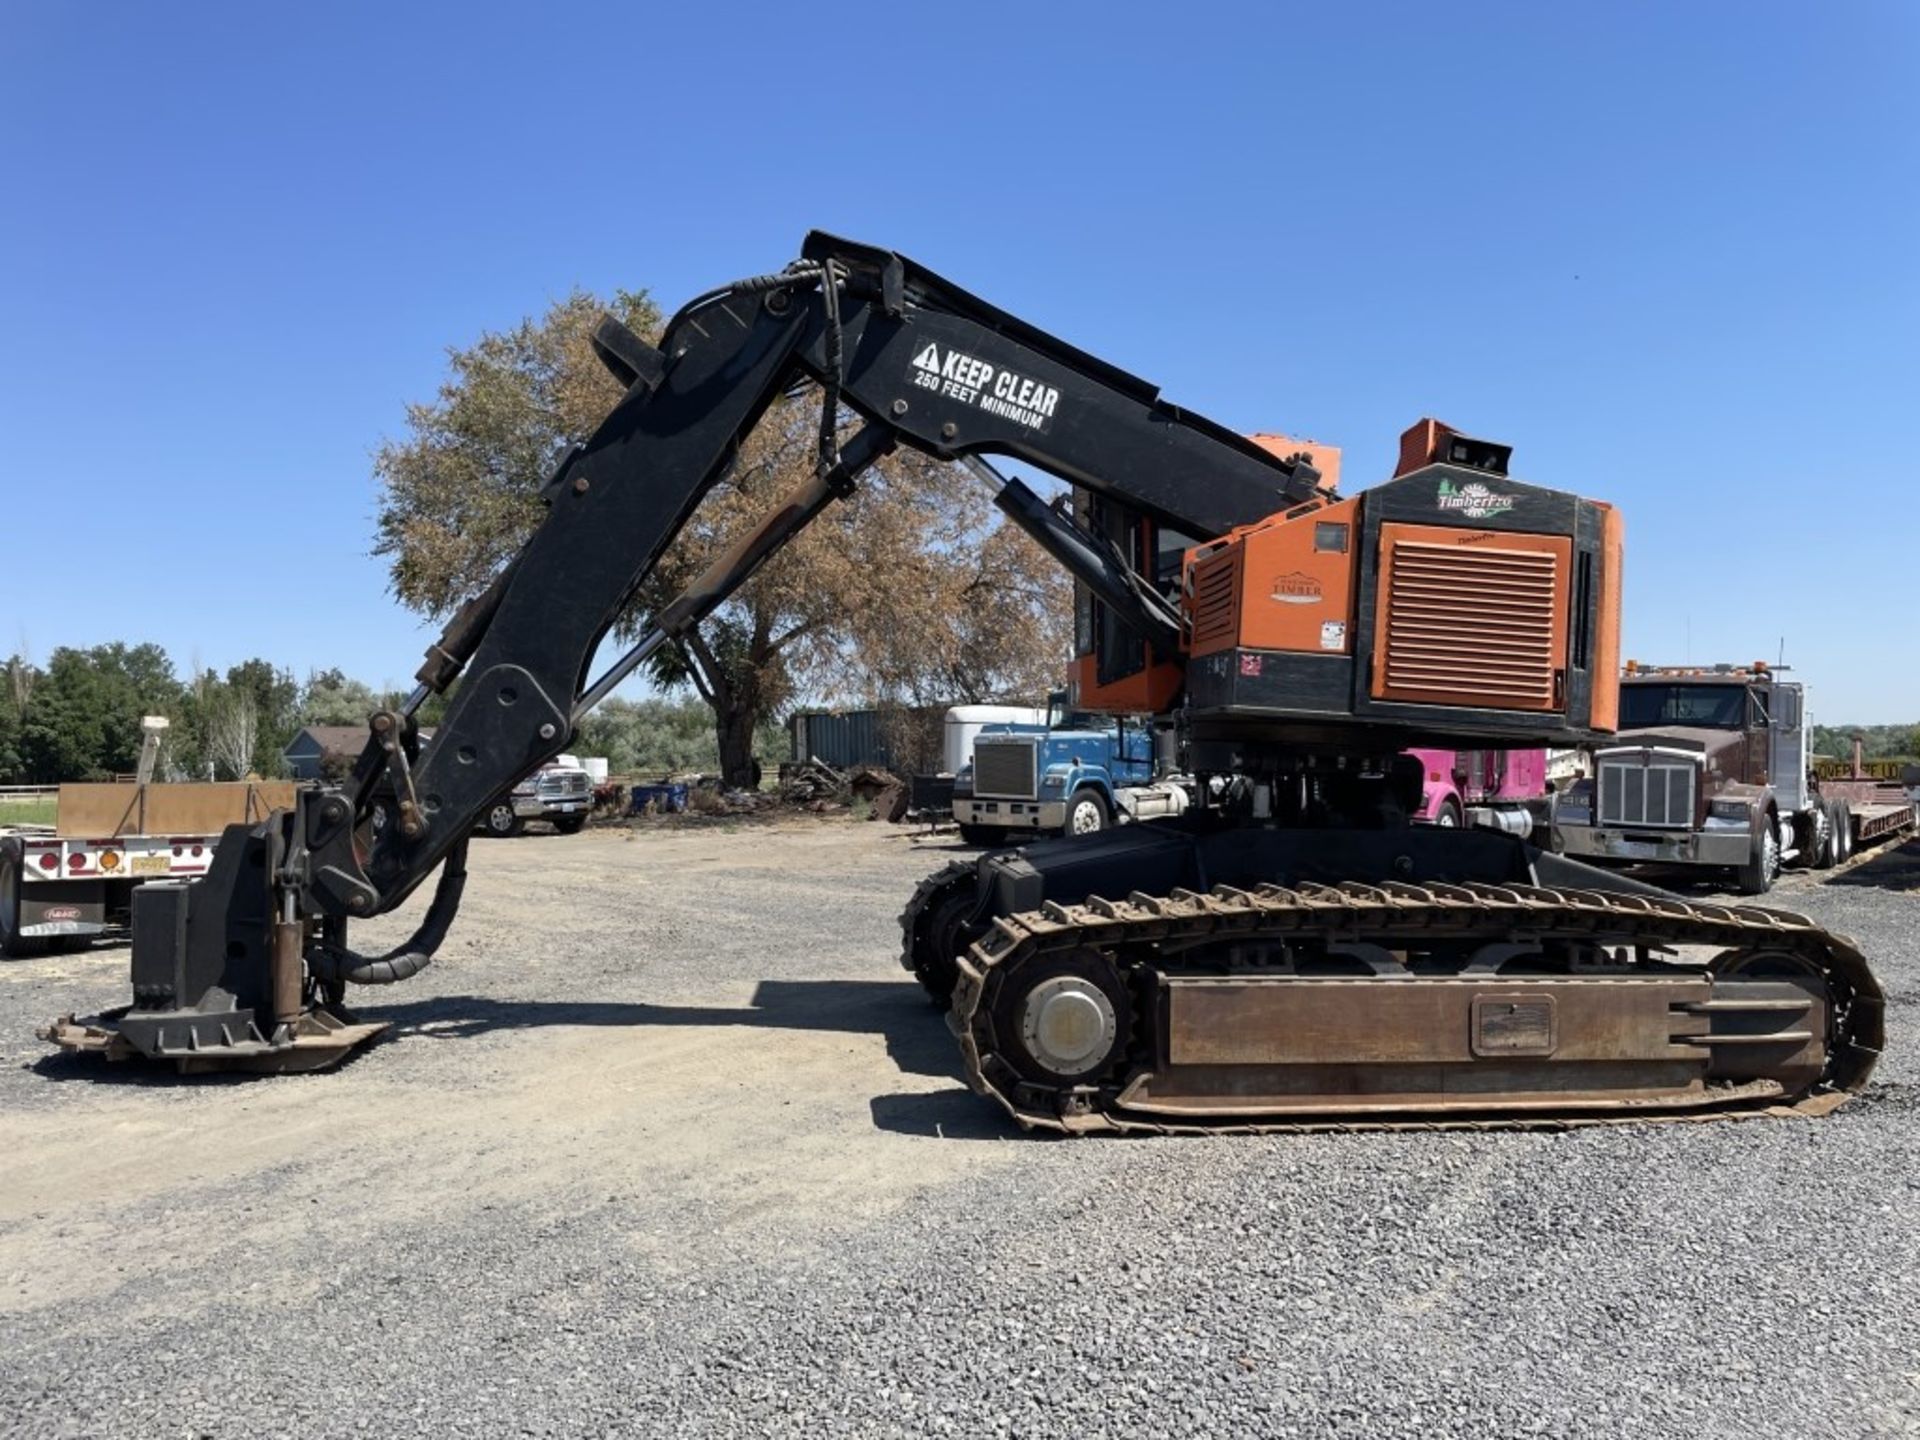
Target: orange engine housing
[(1449, 603)]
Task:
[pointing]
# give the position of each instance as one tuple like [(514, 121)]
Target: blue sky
[(1667, 252)]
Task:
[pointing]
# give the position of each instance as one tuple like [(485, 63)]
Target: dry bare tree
[(909, 591)]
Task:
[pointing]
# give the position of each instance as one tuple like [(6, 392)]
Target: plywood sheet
[(100, 811)]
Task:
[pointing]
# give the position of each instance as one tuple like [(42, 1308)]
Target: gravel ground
[(689, 1156)]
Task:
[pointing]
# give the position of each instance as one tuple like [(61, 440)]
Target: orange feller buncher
[(1290, 952)]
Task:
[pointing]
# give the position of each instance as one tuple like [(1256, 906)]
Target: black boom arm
[(919, 360)]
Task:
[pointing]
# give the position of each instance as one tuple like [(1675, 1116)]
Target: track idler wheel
[(935, 929), (1064, 1020)]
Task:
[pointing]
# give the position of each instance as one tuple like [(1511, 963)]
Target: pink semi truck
[(1494, 789)]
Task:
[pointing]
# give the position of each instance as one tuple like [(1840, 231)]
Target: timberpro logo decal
[(1298, 588), (1472, 500)]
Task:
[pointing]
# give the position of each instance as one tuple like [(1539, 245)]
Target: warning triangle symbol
[(928, 359)]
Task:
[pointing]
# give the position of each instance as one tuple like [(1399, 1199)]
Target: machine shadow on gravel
[(956, 1114), (896, 1010), (916, 1038)]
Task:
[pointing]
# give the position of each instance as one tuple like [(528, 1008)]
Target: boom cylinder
[(738, 563), (1150, 616)]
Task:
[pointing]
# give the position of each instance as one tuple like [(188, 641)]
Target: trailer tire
[(1826, 850), (500, 821), (1756, 877), (1087, 812), (1842, 832), (12, 944)]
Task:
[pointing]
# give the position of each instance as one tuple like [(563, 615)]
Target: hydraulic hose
[(416, 952)]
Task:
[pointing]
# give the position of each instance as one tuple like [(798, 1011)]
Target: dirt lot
[(667, 1143)]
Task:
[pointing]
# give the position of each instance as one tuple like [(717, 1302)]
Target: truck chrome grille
[(1471, 625), (1004, 769), (1656, 794), (563, 785)]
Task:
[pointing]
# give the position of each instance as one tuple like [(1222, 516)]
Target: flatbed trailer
[(70, 881), (1879, 809)]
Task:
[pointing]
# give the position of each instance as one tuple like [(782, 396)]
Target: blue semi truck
[(1075, 775)]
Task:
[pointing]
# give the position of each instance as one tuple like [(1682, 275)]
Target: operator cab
[(1114, 671)]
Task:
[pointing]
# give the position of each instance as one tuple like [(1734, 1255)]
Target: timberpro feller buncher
[(1290, 952)]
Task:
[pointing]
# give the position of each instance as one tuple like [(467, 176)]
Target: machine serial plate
[(1513, 1025)]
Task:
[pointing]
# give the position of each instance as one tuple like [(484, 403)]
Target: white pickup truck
[(559, 792)]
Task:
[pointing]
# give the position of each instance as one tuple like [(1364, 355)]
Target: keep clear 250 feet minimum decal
[(986, 386)]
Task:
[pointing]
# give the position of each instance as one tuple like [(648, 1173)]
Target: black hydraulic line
[(415, 953), (800, 272), (830, 381)]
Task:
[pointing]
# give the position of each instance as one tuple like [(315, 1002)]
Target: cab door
[(1787, 748), (1114, 672)]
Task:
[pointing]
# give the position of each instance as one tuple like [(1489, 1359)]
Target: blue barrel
[(665, 799)]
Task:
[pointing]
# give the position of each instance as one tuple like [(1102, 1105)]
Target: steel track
[(1153, 931), (915, 947)]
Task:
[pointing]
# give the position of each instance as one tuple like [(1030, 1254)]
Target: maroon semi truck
[(1711, 769)]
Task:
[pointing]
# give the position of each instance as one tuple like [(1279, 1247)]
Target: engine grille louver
[(1216, 601), (1471, 625)]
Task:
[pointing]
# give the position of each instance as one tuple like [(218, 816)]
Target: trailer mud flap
[(43, 917)]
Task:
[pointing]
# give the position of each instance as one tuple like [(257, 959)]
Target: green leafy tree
[(236, 725), (82, 721), (1878, 742), (332, 697), (275, 698), (664, 736)]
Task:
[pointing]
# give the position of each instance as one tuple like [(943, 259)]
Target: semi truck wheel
[(1448, 817), (1842, 832), (502, 823), (1759, 873), (1087, 812)]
